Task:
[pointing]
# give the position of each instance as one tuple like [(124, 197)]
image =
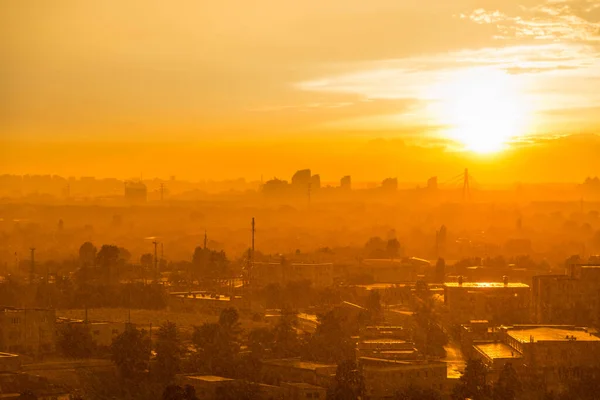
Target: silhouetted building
[(390, 184), (27, 330), (136, 192), (498, 302), (302, 178), (383, 378), (552, 355), (346, 182), (315, 182), (567, 299), (432, 183), (320, 274), (293, 370), (275, 186)]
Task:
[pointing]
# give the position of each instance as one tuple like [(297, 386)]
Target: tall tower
[(466, 188)]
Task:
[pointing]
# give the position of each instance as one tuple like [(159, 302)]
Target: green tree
[(168, 351), (348, 383), (131, 352), (75, 340)]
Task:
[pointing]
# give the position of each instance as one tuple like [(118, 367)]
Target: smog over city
[(289, 200)]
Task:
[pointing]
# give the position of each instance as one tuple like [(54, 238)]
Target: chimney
[(505, 280), (460, 280)]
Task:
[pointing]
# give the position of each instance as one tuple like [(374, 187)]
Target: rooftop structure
[(551, 334)]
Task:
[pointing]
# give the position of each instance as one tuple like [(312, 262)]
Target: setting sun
[(483, 110)]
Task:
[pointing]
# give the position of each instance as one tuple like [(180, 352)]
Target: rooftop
[(302, 385), (548, 334), (497, 350), (296, 363), (208, 378), (472, 285)]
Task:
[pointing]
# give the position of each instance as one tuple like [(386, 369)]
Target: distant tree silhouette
[(392, 248), (168, 351), (87, 254), (209, 264), (131, 352), (348, 383), (374, 306), (440, 270), (75, 340), (146, 260), (260, 341), (376, 248)]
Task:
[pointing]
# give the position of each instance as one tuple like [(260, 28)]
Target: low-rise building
[(27, 330), (567, 299), (551, 354), (384, 378), (498, 302), (302, 391), (294, 370), (319, 274), (206, 386)]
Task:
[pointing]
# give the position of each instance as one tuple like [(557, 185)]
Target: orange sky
[(224, 89)]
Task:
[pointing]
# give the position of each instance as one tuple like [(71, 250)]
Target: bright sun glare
[(482, 108)]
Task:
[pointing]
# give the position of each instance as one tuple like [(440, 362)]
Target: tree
[(375, 248), (393, 248), (348, 384), (168, 351), (219, 343), (108, 255), (146, 260), (331, 342), (440, 270), (417, 393), (473, 383), (209, 264), (175, 392), (87, 254), (131, 352), (260, 341), (285, 337), (508, 385), (75, 340)]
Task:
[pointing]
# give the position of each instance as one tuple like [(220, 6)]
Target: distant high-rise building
[(136, 192), (390, 184), (432, 183), (302, 178), (346, 182), (315, 182)]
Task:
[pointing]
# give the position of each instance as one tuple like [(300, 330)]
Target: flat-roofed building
[(206, 386), (497, 302), (27, 330), (387, 348), (572, 298), (384, 378), (552, 354), (319, 274), (294, 370), (302, 391)]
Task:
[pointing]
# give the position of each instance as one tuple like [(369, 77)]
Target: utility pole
[(466, 188), (205, 239), (32, 270), (155, 243), (162, 191)]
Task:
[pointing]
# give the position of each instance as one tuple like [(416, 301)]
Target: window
[(15, 320)]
